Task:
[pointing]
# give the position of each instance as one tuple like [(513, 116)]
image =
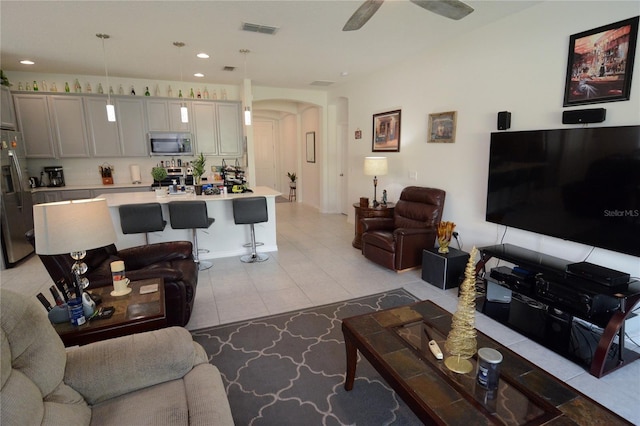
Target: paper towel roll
[(135, 173)]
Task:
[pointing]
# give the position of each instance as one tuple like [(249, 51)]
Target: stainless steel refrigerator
[(15, 199)]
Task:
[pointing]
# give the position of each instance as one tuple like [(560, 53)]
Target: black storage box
[(444, 270)]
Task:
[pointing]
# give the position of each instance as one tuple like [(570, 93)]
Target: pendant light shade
[(247, 116), (184, 112), (111, 111)]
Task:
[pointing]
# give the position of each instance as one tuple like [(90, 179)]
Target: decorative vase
[(445, 231)]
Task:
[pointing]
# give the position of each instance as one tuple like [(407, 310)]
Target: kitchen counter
[(95, 186), (223, 239)]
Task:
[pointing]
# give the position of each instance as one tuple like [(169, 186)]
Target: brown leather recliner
[(397, 243), (172, 261)]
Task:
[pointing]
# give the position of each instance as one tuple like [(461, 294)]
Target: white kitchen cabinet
[(32, 115), (132, 126), (164, 115), (217, 128), (230, 136), (68, 126), (204, 127), (103, 134), (7, 111)]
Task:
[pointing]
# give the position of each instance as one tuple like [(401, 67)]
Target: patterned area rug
[(289, 369)]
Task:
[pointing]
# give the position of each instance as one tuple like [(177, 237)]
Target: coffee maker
[(55, 175)]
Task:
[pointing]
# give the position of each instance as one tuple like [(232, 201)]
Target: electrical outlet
[(413, 175)]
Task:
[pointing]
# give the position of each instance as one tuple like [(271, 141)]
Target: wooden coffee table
[(134, 313), (394, 342)]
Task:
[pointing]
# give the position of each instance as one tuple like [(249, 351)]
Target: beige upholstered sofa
[(156, 378)]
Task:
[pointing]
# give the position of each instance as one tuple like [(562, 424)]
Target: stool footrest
[(250, 245)]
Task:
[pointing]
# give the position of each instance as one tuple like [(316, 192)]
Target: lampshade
[(375, 166), (72, 226)]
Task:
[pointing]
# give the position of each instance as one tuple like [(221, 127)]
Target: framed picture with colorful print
[(600, 64), (442, 127), (386, 132)]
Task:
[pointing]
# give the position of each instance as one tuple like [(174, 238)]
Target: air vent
[(228, 68), (322, 83), (257, 28)]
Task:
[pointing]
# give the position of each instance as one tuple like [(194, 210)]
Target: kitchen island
[(223, 239)]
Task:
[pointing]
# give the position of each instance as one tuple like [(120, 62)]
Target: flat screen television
[(581, 185)]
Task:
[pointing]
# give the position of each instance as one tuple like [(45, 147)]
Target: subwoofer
[(593, 115)]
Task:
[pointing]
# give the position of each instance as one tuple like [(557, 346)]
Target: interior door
[(265, 154)]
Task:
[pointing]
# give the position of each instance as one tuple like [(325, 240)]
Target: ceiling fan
[(452, 9)]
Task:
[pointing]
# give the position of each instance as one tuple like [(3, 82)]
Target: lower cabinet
[(53, 196)]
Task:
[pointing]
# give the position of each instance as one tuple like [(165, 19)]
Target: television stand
[(540, 284)]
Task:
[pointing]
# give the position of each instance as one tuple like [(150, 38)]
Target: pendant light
[(247, 109), (111, 112), (184, 113)]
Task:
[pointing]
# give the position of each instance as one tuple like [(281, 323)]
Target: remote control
[(435, 349)]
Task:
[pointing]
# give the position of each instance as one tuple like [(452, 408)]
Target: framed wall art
[(311, 147), (442, 127), (600, 64), (386, 132)]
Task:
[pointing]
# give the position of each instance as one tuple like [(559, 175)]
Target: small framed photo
[(600, 64), (442, 127), (311, 147), (386, 132)]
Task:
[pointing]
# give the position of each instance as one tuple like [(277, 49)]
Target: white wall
[(517, 64)]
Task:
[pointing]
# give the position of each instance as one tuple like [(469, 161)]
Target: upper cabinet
[(132, 126), (164, 115), (76, 126), (68, 125), (103, 134), (7, 112), (32, 114), (229, 128), (217, 128)]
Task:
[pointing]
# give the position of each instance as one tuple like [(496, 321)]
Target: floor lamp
[(73, 227), (375, 166)]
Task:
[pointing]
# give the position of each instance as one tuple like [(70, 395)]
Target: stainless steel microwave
[(170, 143)]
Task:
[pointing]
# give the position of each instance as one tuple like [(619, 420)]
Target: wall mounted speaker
[(504, 120), (594, 115)]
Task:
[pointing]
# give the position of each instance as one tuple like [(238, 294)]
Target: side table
[(134, 313), (364, 212)]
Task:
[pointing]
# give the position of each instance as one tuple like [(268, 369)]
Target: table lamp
[(73, 227), (375, 166)]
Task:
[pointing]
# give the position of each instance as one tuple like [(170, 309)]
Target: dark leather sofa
[(397, 242), (172, 261)]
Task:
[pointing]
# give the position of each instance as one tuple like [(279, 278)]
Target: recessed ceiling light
[(27, 62), (198, 74), (202, 55)]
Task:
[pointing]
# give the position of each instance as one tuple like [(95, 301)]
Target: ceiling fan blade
[(362, 15), (452, 9)]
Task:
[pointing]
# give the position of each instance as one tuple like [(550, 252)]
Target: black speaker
[(443, 270), (594, 115), (504, 120)]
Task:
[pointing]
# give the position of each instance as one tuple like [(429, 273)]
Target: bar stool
[(191, 215), (141, 218), (249, 211)]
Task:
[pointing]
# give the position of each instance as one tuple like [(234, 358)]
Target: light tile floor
[(315, 264)]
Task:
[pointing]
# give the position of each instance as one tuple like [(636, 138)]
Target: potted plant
[(198, 170), (292, 178), (159, 174)]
